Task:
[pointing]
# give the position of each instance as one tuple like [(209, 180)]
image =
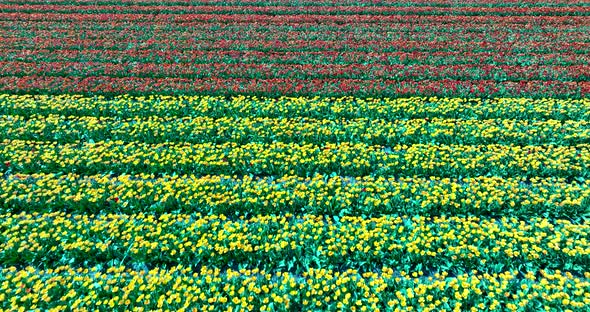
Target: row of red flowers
[(280, 86), (413, 3), (295, 57), (307, 9), (425, 25), (375, 46), (308, 71), (157, 33), (295, 18)]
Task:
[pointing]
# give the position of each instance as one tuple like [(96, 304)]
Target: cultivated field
[(294, 155)]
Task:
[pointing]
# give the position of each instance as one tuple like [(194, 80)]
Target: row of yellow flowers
[(295, 243), (317, 107), (153, 129), (278, 158), (179, 288), (319, 194)]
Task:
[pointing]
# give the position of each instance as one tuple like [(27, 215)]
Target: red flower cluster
[(472, 48)]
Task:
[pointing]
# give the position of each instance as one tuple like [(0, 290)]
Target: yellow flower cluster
[(153, 129), (294, 242), (207, 203), (251, 106), (278, 158), (179, 288), (319, 194)]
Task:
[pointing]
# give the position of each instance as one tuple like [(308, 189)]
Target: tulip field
[(294, 155)]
